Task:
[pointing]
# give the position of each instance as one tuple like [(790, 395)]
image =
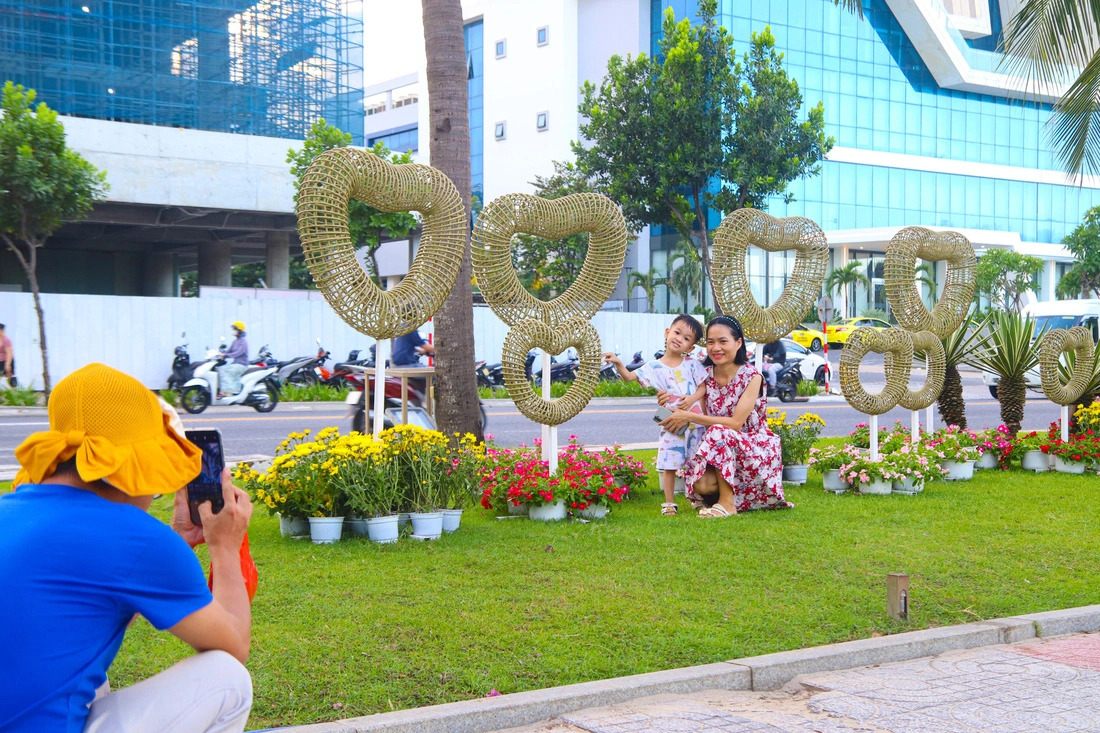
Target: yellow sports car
[(839, 333), (811, 338)]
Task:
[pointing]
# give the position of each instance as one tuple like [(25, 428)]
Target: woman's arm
[(740, 413)]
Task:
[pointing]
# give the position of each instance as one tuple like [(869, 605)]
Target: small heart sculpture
[(530, 334), (341, 174), (897, 345), (1054, 344), (550, 219), (936, 359), (903, 293), (730, 279)]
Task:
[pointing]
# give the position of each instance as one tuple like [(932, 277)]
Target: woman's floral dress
[(749, 458)]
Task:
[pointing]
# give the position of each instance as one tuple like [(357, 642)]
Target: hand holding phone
[(662, 414), (208, 485)]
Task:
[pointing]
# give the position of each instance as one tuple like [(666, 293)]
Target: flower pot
[(551, 512), (832, 482), (383, 530), (325, 530), (795, 474), (357, 526), (594, 511), (293, 526), (451, 519), (517, 510), (1068, 466), (988, 460), (876, 487), (910, 485), (427, 524), (1035, 460), (958, 470)]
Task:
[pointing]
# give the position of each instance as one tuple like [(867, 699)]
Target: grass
[(514, 605), (604, 388), (808, 388), (19, 397), (288, 393)]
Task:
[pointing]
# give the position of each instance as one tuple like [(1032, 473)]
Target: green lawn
[(514, 605)]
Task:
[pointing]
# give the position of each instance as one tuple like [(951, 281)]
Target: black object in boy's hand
[(208, 485)]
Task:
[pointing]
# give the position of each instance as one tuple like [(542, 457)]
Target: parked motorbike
[(300, 372), (259, 388), (564, 371), (340, 374), (636, 362), (786, 382), (182, 366)]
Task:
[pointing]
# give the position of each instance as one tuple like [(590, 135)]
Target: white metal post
[(1065, 423), (549, 432), (929, 421), (381, 353), (915, 425), (874, 437)]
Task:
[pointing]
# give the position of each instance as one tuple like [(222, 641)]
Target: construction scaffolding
[(262, 68)]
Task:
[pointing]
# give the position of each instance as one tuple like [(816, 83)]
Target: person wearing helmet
[(236, 362), (80, 556)]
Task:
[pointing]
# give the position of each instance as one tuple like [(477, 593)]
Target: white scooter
[(259, 387)]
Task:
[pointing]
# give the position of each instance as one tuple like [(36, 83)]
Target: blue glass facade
[(265, 68), (399, 141), (474, 35)]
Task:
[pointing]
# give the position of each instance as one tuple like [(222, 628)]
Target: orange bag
[(248, 571)]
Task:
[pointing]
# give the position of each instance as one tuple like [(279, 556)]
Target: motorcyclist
[(408, 349), (236, 362), (775, 357)]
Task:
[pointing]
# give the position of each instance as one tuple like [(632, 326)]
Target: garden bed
[(354, 628)]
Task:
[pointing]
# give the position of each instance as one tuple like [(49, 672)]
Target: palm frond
[(855, 7), (1045, 39), (1075, 132), (1012, 346)]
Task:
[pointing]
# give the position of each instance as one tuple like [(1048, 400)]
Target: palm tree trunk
[(951, 406), (457, 405), (1012, 394)]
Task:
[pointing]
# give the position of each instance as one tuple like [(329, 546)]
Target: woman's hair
[(691, 322), (731, 323)]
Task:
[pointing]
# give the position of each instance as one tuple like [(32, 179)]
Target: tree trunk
[(1012, 394), (29, 263), (951, 406), (457, 404)]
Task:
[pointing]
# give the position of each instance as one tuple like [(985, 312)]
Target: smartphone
[(208, 485), (662, 413)]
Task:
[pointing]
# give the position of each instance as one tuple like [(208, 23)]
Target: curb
[(765, 672)]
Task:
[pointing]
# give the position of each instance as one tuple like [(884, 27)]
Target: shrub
[(19, 397), (797, 438)]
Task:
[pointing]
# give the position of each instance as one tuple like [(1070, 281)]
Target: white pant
[(207, 693)]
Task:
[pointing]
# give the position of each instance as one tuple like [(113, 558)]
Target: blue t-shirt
[(404, 349), (74, 569)]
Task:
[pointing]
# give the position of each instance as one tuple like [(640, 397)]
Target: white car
[(811, 365)]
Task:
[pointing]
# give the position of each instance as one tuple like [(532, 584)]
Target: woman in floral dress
[(737, 466)]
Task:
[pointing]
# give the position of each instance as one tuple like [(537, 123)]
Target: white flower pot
[(547, 512), (427, 524), (795, 474), (451, 519), (1068, 466), (357, 526), (325, 530), (293, 526), (1035, 460), (988, 460), (909, 486), (958, 470), (594, 511), (517, 510), (832, 482), (383, 530), (876, 487)]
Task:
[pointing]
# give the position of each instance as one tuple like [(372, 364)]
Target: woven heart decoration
[(897, 346), (936, 359), (1054, 344), (729, 276), (902, 292), (531, 334)]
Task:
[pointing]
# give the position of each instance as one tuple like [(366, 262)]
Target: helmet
[(239, 325)]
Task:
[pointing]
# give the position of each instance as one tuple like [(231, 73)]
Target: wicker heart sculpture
[(936, 359), (338, 175), (897, 346), (902, 291), (730, 279), (1054, 344), (562, 322)]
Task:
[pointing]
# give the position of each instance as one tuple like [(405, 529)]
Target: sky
[(393, 39)]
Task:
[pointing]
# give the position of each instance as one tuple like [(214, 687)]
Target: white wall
[(137, 335), (167, 166)]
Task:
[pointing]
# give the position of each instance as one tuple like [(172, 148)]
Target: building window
[(542, 121), (502, 49), (499, 130), (543, 35)]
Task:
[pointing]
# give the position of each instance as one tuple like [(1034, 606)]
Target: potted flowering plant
[(994, 447), (1086, 418), (461, 465), (371, 487), (869, 477), (1071, 456), (796, 440), (589, 484), (914, 465), (957, 452), (498, 474), (827, 461), (1029, 448)]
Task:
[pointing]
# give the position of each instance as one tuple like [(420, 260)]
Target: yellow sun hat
[(118, 432), (239, 325)]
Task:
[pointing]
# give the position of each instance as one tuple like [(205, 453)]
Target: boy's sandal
[(669, 509), (715, 512)]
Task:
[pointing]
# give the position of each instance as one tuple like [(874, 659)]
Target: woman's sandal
[(715, 512), (669, 509)]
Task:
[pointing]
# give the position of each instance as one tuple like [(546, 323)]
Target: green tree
[(43, 184), (670, 137), (839, 278), (1004, 275), (249, 275), (366, 224), (648, 282), (965, 345), (685, 271), (925, 275), (1083, 279), (1011, 351)]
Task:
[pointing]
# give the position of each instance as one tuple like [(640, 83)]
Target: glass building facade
[(474, 35), (881, 98), (264, 68)]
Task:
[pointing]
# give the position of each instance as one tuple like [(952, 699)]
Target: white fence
[(137, 335)]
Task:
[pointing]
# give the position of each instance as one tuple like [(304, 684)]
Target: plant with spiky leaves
[(1012, 351)]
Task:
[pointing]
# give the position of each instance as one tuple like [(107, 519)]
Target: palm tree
[(840, 278), (687, 276), (457, 405), (925, 275), (647, 282), (961, 347), (1012, 350)]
